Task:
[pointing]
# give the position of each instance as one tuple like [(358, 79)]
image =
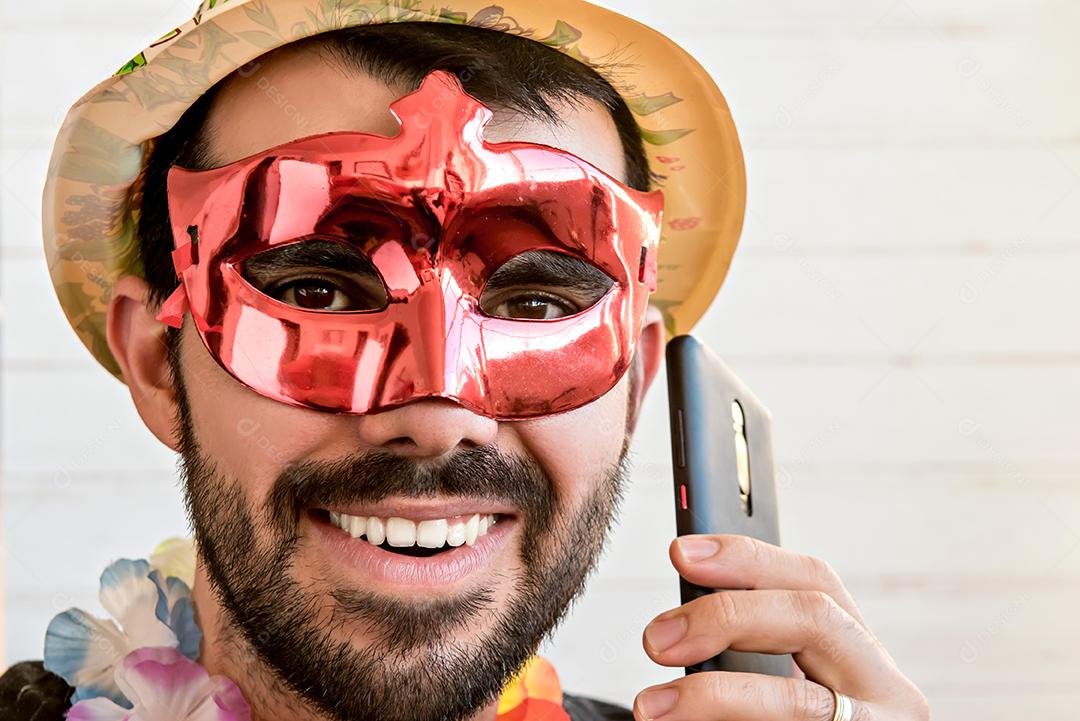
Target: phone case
[(725, 481)]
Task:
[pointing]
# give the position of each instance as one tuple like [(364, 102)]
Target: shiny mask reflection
[(352, 272)]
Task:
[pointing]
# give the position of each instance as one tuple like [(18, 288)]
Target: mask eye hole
[(543, 285), (317, 275)]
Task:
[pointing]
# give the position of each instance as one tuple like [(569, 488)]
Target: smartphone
[(725, 480)]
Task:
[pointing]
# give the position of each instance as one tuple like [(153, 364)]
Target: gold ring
[(844, 708)]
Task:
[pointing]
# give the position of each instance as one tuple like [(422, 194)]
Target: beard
[(421, 661)]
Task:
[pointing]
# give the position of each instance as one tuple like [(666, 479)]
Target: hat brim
[(92, 191)]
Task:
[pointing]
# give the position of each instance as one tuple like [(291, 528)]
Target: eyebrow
[(545, 267), (531, 268), (314, 253)]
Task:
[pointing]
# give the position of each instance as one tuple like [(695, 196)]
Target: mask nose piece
[(446, 358)]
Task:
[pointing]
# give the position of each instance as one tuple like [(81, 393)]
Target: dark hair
[(502, 70)]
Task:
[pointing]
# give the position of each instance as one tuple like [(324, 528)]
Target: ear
[(137, 341), (647, 358)]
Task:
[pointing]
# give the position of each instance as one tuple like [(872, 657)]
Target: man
[(386, 295)]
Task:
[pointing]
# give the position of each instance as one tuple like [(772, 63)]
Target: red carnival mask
[(352, 272)]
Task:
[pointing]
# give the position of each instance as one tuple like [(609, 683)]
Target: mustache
[(480, 472)]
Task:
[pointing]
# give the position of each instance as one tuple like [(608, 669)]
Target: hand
[(794, 604)]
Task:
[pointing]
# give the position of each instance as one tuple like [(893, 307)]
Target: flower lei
[(143, 666)]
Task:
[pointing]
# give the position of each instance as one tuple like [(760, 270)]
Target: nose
[(427, 429)]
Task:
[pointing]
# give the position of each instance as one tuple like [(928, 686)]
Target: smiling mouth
[(407, 537), (420, 545)]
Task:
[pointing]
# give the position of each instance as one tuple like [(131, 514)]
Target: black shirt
[(30, 693)]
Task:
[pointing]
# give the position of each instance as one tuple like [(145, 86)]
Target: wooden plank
[(791, 300), (891, 72), (996, 204), (974, 522), (889, 525), (967, 611), (1021, 660), (122, 518), (146, 20), (992, 310), (855, 413), (908, 254), (993, 202), (793, 16), (956, 649), (878, 71), (724, 15), (103, 433), (959, 650), (838, 413), (972, 311), (3, 587)]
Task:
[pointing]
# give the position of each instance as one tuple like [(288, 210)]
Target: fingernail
[(665, 633), (697, 549), (656, 702)]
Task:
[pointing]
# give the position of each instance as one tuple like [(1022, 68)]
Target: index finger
[(740, 562)]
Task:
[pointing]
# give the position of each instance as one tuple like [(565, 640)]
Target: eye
[(317, 275), (320, 294), (543, 285), (532, 306)]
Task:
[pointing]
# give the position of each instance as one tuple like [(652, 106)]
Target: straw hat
[(93, 188)]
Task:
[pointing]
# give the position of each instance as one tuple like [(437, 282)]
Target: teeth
[(431, 534), (472, 527), (402, 533), (455, 533), (376, 531)]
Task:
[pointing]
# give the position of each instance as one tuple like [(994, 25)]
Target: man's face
[(397, 630)]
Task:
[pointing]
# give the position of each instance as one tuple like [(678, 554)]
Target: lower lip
[(416, 572)]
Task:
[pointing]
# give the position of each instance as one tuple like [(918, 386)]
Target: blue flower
[(149, 610), (175, 610)]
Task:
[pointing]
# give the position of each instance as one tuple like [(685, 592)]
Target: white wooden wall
[(905, 299)]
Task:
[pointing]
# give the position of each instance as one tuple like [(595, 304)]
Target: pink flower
[(165, 685)]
